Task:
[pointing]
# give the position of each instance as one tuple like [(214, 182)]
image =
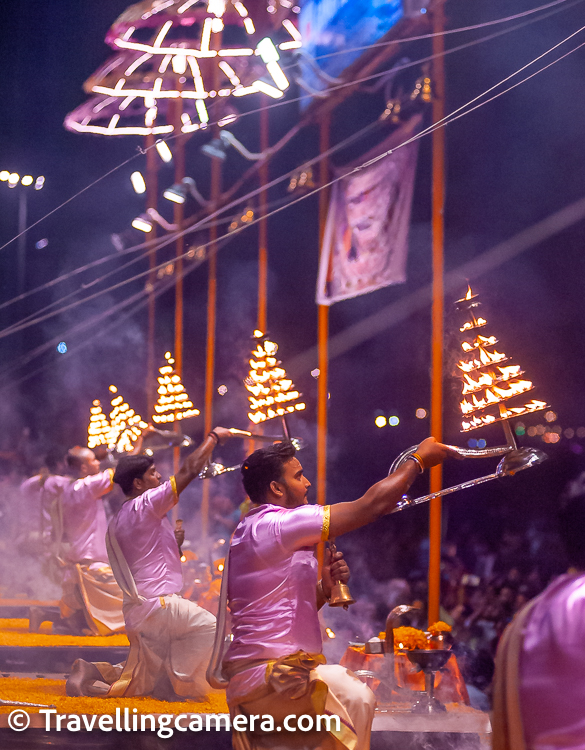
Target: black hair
[(265, 466), (572, 530), (77, 456), (130, 468)]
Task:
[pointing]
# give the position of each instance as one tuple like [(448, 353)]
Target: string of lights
[(449, 118), (170, 138)]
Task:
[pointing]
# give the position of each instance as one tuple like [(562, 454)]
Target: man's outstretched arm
[(383, 496), (200, 456)]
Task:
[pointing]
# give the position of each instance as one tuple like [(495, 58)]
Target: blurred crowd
[(483, 585)]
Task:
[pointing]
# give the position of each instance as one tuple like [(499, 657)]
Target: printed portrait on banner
[(365, 246)]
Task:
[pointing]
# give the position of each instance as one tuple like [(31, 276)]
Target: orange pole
[(438, 235), (179, 250), (210, 349), (178, 214), (322, 336), (263, 227), (151, 202)]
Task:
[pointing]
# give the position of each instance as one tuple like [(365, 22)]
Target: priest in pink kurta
[(274, 663), (539, 694), (91, 597), (170, 637)]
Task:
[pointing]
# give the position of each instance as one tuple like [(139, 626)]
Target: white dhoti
[(356, 697), (297, 686), (92, 589), (173, 645)]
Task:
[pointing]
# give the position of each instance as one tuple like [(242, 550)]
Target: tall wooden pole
[(211, 307), (210, 348), (323, 334), (262, 319), (151, 202), (438, 234), (178, 215), (263, 226)]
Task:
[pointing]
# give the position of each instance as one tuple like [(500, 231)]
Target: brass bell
[(341, 595)]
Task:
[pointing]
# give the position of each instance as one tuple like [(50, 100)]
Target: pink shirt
[(148, 544), (84, 518), (272, 588), (552, 668)]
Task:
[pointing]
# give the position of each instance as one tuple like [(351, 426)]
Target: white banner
[(365, 246)]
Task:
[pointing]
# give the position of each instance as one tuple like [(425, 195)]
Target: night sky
[(510, 164)]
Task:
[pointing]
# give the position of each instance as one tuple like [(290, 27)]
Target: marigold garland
[(14, 632), (439, 627), (409, 638), (53, 692)]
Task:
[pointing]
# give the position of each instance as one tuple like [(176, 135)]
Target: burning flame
[(272, 393), (99, 426), (510, 372), (493, 385), (495, 395), (488, 358), (173, 401)]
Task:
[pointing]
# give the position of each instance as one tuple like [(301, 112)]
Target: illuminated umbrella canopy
[(196, 53)]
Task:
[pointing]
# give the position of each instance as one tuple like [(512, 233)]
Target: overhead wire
[(424, 132), (197, 226), (171, 237), (562, 5), (456, 114), (31, 319)]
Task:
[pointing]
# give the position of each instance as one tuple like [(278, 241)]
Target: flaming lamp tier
[(489, 379), (272, 394), (99, 426), (173, 402), (125, 424)]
